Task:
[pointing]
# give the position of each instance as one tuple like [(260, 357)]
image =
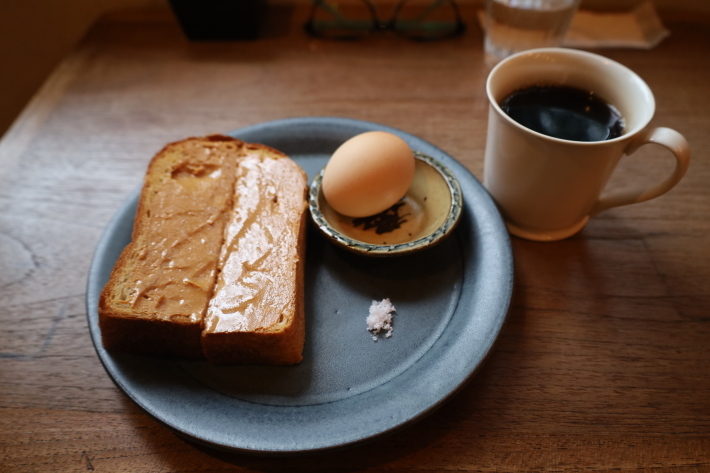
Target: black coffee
[(564, 112)]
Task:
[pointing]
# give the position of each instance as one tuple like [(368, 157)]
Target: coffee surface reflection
[(563, 112)]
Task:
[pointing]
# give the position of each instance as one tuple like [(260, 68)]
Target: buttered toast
[(207, 207), (256, 313)]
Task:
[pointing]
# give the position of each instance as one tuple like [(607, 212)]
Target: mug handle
[(671, 140)]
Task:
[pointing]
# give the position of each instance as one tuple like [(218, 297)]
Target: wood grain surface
[(603, 365)]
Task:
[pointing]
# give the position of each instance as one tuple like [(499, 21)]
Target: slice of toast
[(156, 297), (215, 265), (256, 314)]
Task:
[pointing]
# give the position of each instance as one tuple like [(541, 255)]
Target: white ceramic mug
[(547, 188)]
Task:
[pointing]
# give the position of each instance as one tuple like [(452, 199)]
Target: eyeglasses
[(422, 20)]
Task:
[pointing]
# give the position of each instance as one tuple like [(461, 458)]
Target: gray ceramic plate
[(451, 303)]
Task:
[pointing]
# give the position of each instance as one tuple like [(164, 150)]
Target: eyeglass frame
[(377, 25)]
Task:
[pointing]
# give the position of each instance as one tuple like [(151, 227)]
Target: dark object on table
[(219, 20)]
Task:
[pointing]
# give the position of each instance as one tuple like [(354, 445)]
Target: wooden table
[(604, 363)]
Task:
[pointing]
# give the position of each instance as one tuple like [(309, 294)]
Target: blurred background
[(36, 34)]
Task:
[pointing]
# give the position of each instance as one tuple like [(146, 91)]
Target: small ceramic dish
[(428, 213)]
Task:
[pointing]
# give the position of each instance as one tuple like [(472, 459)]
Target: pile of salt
[(380, 318)]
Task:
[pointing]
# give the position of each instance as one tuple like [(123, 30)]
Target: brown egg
[(368, 174)]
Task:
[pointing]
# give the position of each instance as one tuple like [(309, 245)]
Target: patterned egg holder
[(427, 214)]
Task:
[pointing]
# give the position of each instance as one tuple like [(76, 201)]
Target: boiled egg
[(368, 174)]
